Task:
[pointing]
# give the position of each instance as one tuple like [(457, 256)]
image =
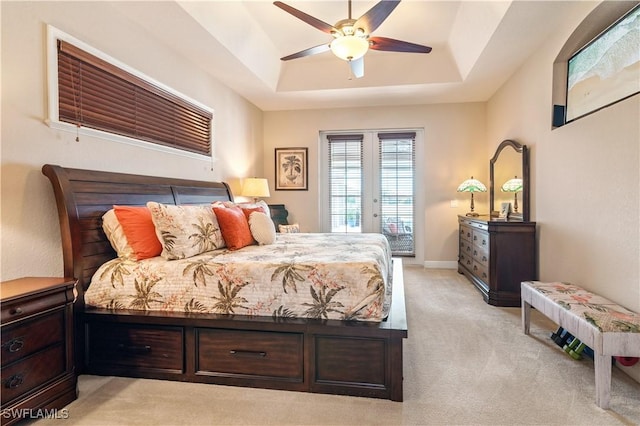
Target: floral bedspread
[(324, 276)]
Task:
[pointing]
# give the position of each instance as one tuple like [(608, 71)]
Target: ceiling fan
[(352, 37)]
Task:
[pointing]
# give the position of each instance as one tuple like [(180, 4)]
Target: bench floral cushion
[(598, 311)]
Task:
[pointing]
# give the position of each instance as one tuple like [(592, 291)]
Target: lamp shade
[(512, 185), (472, 185), (255, 187), (349, 47)]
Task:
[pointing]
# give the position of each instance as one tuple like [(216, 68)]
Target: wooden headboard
[(83, 196)]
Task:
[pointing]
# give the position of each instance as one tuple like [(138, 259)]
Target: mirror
[(511, 161)]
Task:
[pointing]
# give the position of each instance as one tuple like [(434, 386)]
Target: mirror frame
[(524, 151)]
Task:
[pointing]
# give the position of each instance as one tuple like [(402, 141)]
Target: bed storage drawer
[(257, 354), (350, 361), (135, 347)]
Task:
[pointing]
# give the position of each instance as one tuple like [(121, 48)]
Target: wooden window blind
[(96, 94)]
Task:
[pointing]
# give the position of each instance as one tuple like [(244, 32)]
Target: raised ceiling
[(477, 45)]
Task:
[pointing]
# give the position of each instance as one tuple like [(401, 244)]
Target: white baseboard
[(441, 264)]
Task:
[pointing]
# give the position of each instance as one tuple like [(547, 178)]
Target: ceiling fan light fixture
[(349, 48)]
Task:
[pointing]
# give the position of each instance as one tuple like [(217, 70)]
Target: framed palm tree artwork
[(292, 169)]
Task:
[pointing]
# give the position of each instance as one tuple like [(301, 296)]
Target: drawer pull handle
[(16, 311), (255, 354), (134, 349), (14, 345), (14, 381)]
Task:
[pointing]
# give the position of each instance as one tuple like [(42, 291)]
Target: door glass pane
[(397, 171), (345, 185)]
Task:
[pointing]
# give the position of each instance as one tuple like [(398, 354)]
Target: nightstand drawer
[(137, 347), (251, 353), (15, 310), (31, 372), (30, 336)]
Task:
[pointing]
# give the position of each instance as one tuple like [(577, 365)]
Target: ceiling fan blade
[(376, 15), (391, 45), (314, 22), (357, 67), (308, 52)]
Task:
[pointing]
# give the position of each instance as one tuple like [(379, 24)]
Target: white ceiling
[(476, 45)]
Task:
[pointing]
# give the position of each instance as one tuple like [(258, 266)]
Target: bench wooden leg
[(603, 380), (526, 316)]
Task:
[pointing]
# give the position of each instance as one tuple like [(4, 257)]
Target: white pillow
[(115, 234), (248, 205), (262, 228)]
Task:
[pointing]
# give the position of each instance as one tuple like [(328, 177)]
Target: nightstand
[(38, 377)]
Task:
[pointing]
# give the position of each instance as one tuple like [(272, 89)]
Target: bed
[(337, 354)]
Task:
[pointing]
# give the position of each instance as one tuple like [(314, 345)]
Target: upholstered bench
[(604, 326)]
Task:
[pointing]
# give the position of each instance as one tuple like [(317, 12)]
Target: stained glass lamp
[(513, 185), (472, 185)]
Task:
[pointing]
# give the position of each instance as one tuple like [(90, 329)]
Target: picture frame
[(292, 169), (505, 209)]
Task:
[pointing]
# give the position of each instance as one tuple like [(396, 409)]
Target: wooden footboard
[(337, 357), (348, 358)]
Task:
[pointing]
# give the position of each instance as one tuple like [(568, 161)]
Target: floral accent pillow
[(289, 229), (185, 231), (262, 228)]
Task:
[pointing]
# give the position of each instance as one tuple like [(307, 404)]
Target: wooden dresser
[(38, 376), (497, 256)]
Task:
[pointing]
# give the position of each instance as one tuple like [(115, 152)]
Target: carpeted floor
[(466, 363)]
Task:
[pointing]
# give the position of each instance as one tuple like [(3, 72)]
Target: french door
[(369, 185)]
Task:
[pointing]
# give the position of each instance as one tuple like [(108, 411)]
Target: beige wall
[(586, 179), (453, 150), (30, 234)]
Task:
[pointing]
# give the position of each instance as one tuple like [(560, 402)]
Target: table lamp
[(472, 185)]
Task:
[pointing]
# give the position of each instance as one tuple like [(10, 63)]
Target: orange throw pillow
[(234, 227), (139, 229)]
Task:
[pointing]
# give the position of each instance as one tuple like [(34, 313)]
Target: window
[(94, 93), (345, 182), (597, 66), (397, 194), (602, 72)]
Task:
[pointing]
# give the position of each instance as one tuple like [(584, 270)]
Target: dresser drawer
[(31, 372), (130, 346), (481, 255), (466, 233), (481, 239), (465, 260), (481, 271), (27, 337), (466, 248), (250, 353)]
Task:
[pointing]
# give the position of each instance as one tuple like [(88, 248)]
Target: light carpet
[(466, 363)]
